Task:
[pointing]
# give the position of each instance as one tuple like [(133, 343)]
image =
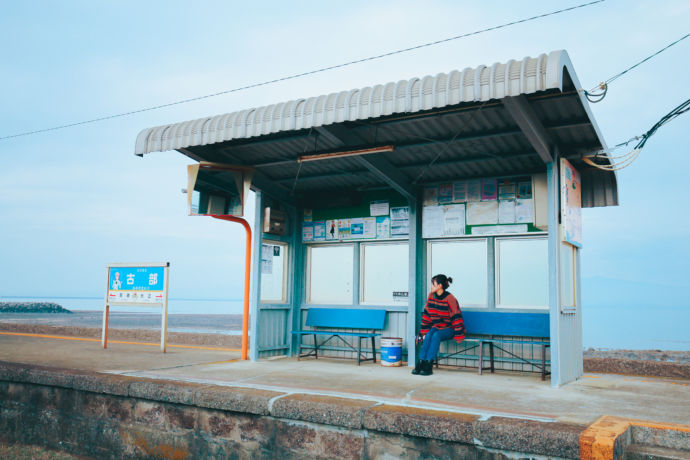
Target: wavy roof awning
[(492, 120)]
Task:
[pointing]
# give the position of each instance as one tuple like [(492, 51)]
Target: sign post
[(144, 285)]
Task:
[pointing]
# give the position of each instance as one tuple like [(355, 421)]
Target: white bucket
[(391, 351)]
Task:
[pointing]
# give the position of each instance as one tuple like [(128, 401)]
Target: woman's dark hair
[(443, 280)]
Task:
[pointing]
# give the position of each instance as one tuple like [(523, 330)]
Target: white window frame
[(284, 247), (362, 245), (310, 247), (497, 274), (462, 240)]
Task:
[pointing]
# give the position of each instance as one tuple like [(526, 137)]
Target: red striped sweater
[(443, 312)]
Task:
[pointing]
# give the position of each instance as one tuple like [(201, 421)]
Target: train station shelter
[(363, 195)]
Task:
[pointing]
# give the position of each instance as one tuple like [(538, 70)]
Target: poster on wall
[(524, 190), (441, 221), (379, 208), (506, 212), (369, 227), (489, 189), (383, 227), (319, 230), (499, 229), (307, 231), (332, 228), (454, 220), (401, 213), (524, 211), (445, 193), (344, 229), (506, 190), (432, 221), (267, 259), (482, 213), (400, 221), (571, 204), (357, 227), (474, 190), (460, 191)]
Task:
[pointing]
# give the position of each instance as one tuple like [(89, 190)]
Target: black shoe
[(426, 368), (417, 368)]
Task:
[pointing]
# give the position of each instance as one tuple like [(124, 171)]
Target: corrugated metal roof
[(455, 122), (482, 83)]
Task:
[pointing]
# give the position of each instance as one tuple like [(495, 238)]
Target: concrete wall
[(110, 416)]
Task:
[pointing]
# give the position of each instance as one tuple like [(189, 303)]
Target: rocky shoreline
[(32, 307)]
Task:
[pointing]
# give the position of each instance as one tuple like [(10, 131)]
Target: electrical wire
[(448, 144), (303, 74), (603, 87), (627, 159)]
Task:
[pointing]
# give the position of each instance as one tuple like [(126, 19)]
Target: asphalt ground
[(507, 394)]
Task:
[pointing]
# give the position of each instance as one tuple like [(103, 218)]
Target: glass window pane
[(385, 270), (330, 274), (567, 275), (523, 273), (465, 262), (273, 273)]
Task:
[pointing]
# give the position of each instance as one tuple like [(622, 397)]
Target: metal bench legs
[(314, 352), (480, 366)]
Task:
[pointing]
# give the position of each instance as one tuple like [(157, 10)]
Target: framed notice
[(571, 204)]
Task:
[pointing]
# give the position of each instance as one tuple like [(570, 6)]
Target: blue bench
[(337, 319), (482, 328)]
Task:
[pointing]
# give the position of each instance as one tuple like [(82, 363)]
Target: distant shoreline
[(102, 298), (33, 307)]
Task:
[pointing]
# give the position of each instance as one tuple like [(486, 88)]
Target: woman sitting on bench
[(441, 320)]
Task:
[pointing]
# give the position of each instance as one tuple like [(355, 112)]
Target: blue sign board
[(136, 279), (136, 284)]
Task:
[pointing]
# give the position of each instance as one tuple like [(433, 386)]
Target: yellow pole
[(247, 268)]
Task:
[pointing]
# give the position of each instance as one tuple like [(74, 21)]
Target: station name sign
[(137, 284)]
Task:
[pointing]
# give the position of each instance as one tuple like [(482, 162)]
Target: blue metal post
[(554, 269), (416, 294), (299, 270), (256, 279)]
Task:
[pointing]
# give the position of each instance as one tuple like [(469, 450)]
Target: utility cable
[(303, 74), (448, 144), (603, 87), (627, 159)]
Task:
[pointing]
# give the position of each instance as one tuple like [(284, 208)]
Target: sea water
[(609, 327), (175, 306)]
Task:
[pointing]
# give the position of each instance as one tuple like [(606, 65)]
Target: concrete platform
[(520, 395), (504, 395)]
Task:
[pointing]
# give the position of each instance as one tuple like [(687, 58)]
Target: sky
[(76, 199)]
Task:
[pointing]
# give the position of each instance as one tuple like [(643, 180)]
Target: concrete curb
[(504, 434)]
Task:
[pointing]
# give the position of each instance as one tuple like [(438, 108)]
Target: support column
[(417, 278), (255, 296), (553, 192), (297, 270)]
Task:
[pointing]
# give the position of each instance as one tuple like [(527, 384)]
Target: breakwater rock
[(32, 307)]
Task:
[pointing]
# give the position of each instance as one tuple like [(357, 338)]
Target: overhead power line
[(603, 87), (303, 74), (623, 161)]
